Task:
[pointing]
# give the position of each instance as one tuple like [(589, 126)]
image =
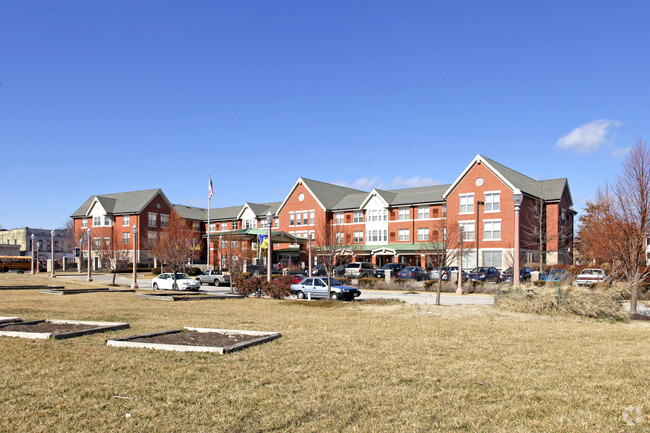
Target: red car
[(296, 278)]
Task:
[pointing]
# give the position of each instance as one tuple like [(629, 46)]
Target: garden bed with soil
[(31, 287), (57, 329), (186, 296), (79, 291), (197, 340)]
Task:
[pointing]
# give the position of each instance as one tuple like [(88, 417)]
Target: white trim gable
[(369, 197), (245, 207), (91, 208), (478, 158), (300, 181)]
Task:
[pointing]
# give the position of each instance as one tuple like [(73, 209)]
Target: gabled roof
[(224, 213), (121, 203), (422, 194), (260, 209), (326, 194), (548, 190)]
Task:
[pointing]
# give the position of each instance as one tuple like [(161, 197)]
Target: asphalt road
[(412, 298)]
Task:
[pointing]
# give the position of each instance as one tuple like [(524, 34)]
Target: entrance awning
[(279, 237)]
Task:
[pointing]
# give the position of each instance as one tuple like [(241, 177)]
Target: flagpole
[(208, 228)]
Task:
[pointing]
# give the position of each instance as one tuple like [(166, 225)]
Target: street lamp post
[(478, 204), (38, 247), (269, 247), (52, 273), (220, 251), (80, 258), (459, 291), (517, 198), (309, 240), (134, 285), (89, 277), (32, 237)]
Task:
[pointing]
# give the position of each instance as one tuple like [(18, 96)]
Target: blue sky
[(110, 96)]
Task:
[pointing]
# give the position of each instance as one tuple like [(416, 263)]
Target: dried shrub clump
[(600, 304), (278, 288)]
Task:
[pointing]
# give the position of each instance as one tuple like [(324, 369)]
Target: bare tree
[(233, 253), (69, 240), (110, 254), (596, 226), (442, 249), (174, 245), (330, 247)]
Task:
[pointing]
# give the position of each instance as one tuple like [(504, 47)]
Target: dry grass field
[(357, 367)]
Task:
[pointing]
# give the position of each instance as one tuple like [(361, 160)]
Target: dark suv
[(394, 268)]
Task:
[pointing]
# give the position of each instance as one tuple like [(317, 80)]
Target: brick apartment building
[(379, 226)]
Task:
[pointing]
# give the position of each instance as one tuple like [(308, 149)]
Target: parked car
[(213, 277), (296, 278), (484, 274), (446, 272), (165, 281), (524, 274), (591, 276), (413, 273), (316, 287), (393, 267), (359, 270), (318, 271), (555, 275)]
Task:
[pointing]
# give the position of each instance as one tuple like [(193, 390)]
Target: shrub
[(279, 288), (367, 283), (539, 283), (193, 271), (572, 300)]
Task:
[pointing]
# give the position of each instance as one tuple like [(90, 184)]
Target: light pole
[(134, 285), (269, 248), (459, 291), (52, 274), (80, 258), (478, 204), (38, 247), (89, 277), (309, 240), (32, 237), (517, 198)]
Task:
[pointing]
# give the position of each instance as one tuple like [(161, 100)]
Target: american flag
[(210, 190)]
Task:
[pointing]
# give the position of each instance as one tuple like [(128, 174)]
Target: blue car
[(484, 274), (555, 275)]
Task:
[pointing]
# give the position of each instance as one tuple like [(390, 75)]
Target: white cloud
[(619, 152), (368, 183), (587, 138)]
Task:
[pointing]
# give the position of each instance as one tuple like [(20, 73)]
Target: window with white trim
[(276, 222), (305, 218), (126, 220), (126, 238), (213, 227), (563, 217), (152, 219), (263, 223), (152, 237), (466, 203), (467, 227), (107, 242), (423, 234), (312, 217), (403, 213), (338, 218), (492, 230), (444, 233), (196, 226), (164, 220), (358, 237), (97, 243), (492, 258), (340, 237), (292, 219), (358, 216), (492, 201), (235, 225), (403, 234), (84, 223), (444, 210), (97, 221), (224, 226), (423, 212), (107, 221)]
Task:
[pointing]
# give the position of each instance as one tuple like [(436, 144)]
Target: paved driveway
[(428, 298)]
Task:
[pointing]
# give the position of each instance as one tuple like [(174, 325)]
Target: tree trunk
[(114, 274), (439, 286), (635, 297)]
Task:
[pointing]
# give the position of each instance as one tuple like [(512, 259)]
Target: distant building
[(22, 238)]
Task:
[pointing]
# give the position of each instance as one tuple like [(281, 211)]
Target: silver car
[(166, 282), (317, 288)]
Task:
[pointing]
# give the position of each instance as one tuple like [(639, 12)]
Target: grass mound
[(600, 304)]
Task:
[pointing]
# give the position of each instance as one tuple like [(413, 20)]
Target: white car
[(166, 282)]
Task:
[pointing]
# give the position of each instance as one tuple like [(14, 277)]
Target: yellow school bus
[(10, 263)]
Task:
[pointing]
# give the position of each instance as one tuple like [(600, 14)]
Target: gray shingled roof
[(191, 212), (224, 213), (423, 194), (120, 203), (329, 194), (261, 209), (549, 190), (351, 201)]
